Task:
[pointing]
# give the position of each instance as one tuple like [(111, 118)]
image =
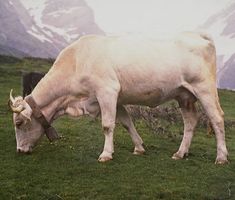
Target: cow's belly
[(148, 85), (147, 97)]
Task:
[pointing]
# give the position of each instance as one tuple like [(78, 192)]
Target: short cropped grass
[(68, 169)]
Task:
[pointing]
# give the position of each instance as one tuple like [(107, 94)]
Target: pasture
[(68, 168)]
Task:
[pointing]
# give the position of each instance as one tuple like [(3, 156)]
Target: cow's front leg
[(108, 103), (108, 150)]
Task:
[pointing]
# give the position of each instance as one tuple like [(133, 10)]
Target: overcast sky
[(156, 16), (149, 16)]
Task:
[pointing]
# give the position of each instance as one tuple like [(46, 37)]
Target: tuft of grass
[(68, 169)]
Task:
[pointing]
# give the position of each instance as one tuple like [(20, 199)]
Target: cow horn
[(15, 105)]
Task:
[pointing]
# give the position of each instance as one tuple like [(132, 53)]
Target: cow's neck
[(60, 107), (50, 93), (51, 87), (54, 107)]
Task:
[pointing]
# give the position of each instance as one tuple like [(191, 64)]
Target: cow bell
[(51, 134)]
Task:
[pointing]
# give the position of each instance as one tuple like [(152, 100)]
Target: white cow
[(99, 73)]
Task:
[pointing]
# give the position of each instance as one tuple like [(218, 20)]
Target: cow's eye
[(18, 123)]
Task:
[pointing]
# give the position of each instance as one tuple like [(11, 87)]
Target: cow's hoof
[(104, 159), (138, 152), (220, 161), (176, 156), (105, 156)]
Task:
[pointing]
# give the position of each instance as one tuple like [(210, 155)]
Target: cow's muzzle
[(25, 150)]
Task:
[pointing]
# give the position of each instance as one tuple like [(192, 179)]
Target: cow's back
[(139, 52), (150, 70)]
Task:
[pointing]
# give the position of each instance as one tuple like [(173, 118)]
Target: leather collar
[(49, 130)]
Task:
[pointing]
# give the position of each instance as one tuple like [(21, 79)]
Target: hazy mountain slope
[(222, 28), (5, 50), (19, 32), (43, 31), (227, 74), (69, 19)]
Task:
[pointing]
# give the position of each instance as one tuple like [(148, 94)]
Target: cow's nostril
[(19, 151), (24, 151)]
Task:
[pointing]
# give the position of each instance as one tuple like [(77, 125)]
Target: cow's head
[(28, 130)]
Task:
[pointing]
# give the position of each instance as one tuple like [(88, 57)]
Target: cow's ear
[(27, 112)]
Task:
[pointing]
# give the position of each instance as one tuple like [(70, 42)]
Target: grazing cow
[(99, 73), (29, 81)]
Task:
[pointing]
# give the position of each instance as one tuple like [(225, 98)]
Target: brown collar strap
[(49, 130)]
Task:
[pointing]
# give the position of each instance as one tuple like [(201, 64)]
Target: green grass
[(68, 169)]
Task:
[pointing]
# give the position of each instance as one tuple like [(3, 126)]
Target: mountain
[(227, 74), (6, 50), (222, 27), (68, 19), (43, 31), (19, 35), (71, 19)]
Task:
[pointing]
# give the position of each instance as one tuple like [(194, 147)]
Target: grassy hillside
[(68, 169)]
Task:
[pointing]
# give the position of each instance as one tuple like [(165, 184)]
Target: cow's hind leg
[(210, 102), (125, 119), (190, 118), (107, 102)]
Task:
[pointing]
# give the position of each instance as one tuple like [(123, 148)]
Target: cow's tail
[(211, 44), (210, 49), (210, 52), (206, 36)]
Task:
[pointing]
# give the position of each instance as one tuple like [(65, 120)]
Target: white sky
[(153, 16), (148, 16)]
